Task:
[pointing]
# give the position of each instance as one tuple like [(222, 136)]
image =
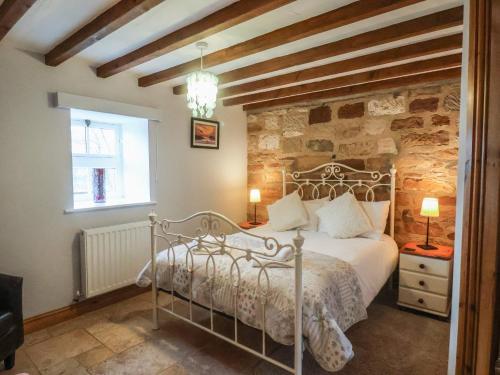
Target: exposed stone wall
[(417, 129)]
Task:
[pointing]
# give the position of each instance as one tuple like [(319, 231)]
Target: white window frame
[(100, 160)]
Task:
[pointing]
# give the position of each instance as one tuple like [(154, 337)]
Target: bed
[(301, 288)]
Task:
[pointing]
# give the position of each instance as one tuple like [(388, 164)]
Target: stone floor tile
[(67, 367), (127, 309), (94, 356), (56, 349), (122, 336), (23, 364), (79, 322), (36, 337), (175, 370), (146, 358)]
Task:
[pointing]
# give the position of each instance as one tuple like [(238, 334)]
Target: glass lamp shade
[(430, 207), (254, 196), (202, 93)]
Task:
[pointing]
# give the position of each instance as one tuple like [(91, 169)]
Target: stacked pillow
[(287, 213), (343, 217)]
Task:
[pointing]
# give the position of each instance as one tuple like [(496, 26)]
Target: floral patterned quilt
[(332, 298)]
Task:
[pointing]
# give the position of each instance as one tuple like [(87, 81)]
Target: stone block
[(361, 148), (386, 106), (424, 105), (320, 145), (320, 115), (412, 122), (291, 145), (271, 123), (347, 130), (386, 146), (254, 127), (294, 122), (253, 141), (374, 127), (438, 138), (426, 90), (438, 120), (358, 164), (255, 167), (379, 164), (452, 102), (428, 185), (348, 111), (269, 142), (307, 162), (292, 133)]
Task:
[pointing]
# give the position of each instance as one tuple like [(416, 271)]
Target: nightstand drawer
[(424, 265), (424, 282), (423, 300)]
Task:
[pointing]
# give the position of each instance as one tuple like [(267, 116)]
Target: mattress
[(374, 261)]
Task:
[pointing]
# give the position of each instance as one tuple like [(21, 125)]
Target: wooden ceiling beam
[(419, 26), (394, 55), (238, 12), (438, 63), (440, 75), (11, 11), (104, 24), (342, 16)]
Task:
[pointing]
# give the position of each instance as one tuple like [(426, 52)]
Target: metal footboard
[(211, 241)]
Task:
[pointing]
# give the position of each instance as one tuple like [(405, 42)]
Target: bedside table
[(247, 225), (425, 278)]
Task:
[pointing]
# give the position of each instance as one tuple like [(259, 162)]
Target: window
[(110, 159)]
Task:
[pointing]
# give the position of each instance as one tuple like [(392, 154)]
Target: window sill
[(107, 206)]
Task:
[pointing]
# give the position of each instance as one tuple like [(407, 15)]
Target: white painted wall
[(37, 240)]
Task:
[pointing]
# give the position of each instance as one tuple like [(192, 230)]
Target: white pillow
[(287, 213), (343, 217), (311, 207), (377, 212)]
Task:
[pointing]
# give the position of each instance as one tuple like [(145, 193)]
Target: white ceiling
[(50, 21)]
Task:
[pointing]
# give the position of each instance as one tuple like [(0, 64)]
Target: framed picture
[(204, 133)]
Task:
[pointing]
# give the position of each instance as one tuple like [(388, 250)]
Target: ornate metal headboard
[(333, 179)]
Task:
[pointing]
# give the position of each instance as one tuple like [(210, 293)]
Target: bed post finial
[(152, 218), (393, 198), (298, 241)]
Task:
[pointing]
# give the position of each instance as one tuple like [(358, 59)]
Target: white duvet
[(374, 261)]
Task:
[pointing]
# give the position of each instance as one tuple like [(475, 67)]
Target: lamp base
[(255, 223), (427, 247)]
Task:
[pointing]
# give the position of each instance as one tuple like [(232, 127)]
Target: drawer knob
[(421, 266), (420, 300), (421, 283)]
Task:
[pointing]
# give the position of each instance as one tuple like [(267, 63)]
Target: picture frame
[(205, 133)]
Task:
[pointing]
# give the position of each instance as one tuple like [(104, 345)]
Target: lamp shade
[(254, 195), (430, 207)]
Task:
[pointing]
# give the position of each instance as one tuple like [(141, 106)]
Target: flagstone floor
[(118, 340)]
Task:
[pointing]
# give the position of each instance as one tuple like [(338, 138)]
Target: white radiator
[(112, 257)]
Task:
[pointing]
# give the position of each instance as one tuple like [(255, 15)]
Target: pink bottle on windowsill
[(98, 180)]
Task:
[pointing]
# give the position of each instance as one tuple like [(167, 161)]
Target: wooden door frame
[(478, 304)]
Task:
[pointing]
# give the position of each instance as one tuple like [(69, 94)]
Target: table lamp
[(430, 208), (255, 198)]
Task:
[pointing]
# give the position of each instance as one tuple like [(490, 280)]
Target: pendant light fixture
[(202, 89)]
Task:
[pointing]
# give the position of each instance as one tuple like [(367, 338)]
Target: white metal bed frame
[(210, 241)]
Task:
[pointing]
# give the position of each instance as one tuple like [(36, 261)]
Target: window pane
[(81, 180), (110, 181), (102, 141), (78, 139)]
